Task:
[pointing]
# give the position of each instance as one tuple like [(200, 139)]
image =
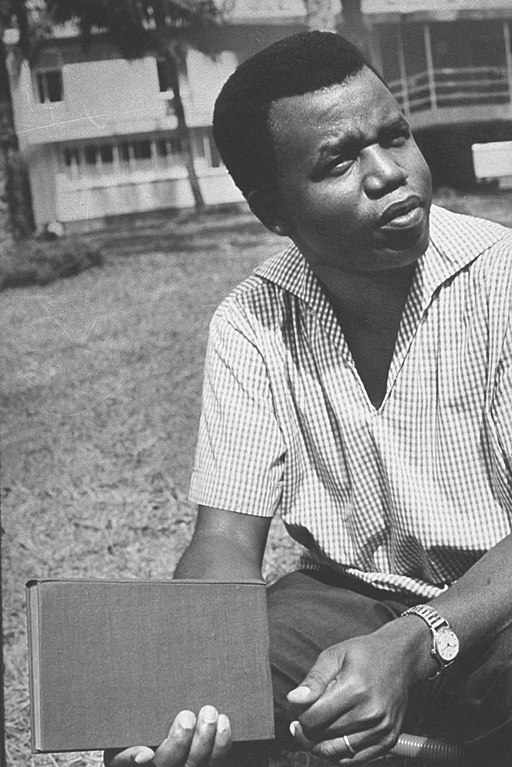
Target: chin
[(408, 250)]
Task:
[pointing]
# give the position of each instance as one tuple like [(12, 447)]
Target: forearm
[(214, 558), (226, 546), (477, 605), (480, 603)]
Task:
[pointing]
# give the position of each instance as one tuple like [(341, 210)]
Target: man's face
[(353, 188)]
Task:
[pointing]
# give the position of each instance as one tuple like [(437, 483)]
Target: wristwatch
[(445, 642)]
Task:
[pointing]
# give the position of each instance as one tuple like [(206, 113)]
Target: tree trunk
[(16, 216), (353, 26), (19, 195), (6, 233), (184, 134), (321, 14), (7, 136), (171, 58), (186, 145)]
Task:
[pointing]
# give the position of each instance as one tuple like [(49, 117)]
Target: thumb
[(311, 688), (136, 755)]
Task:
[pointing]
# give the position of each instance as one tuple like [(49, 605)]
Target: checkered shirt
[(407, 496)]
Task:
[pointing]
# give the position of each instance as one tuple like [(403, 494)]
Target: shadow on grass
[(33, 262)]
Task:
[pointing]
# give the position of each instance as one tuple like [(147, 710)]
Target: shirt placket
[(424, 285), (322, 309)]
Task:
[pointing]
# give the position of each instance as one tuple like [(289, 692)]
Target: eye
[(397, 138), (397, 141), (340, 166)]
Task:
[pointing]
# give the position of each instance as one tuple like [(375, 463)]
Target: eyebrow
[(351, 142)]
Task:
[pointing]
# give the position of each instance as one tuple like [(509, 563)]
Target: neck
[(369, 297)]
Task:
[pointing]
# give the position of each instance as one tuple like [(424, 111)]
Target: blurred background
[(110, 102), (120, 232)]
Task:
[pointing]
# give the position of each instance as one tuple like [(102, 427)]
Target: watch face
[(447, 645)]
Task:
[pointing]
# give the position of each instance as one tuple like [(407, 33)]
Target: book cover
[(112, 662)]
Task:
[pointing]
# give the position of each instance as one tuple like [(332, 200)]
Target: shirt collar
[(455, 241)]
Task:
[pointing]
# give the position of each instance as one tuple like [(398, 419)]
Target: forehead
[(356, 110)]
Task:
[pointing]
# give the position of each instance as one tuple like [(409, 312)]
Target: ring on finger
[(350, 748)]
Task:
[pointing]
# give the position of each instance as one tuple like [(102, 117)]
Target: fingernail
[(209, 714), (300, 693), (186, 720), (293, 728), (223, 723), (144, 756)]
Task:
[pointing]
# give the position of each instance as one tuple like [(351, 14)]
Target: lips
[(403, 213)]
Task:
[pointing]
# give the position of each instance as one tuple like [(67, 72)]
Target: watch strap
[(436, 623), (431, 617)]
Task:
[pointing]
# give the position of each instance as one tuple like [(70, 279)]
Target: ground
[(100, 404)]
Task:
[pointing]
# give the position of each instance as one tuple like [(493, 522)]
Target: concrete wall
[(139, 193), (42, 163), (100, 98), (111, 98)]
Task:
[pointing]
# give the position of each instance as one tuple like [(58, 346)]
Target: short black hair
[(302, 63)]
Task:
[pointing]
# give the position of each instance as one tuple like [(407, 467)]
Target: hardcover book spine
[(34, 670)]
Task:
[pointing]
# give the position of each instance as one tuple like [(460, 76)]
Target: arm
[(360, 688), (226, 546), (390, 661), (238, 438)]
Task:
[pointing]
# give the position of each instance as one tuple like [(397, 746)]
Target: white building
[(99, 132)]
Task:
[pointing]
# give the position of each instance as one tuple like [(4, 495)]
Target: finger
[(298, 733), (331, 707), (204, 737), (222, 744), (174, 750), (113, 757), (344, 724), (366, 755), (334, 750), (315, 683), (358, 750)]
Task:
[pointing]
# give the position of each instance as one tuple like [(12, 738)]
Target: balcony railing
[(6, 123), (443, 88)]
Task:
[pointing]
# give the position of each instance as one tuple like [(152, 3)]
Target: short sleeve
[(502, 404), (240, 451), (501, 410)]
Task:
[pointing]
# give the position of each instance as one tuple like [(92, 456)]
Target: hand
[(191, 742), (359, 689)]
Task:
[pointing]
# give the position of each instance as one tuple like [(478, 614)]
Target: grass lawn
[(100, 398)]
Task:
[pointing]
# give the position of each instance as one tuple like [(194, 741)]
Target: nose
[(382, 173)]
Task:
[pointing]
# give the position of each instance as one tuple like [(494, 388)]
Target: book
[(112, 662)]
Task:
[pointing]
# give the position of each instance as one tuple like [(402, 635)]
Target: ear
[(265, 207)]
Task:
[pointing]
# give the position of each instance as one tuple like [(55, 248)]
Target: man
[(360, 383)]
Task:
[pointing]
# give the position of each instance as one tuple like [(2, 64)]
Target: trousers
[(469, 703)]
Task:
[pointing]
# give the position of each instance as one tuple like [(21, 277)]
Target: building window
[(205, 149), (106, 152), (71, 157), (163, 68), (161, 154), (142, 150), (49, 86), (98, 158), (137, 154), (156, 154), (90, 154), (169, 149)]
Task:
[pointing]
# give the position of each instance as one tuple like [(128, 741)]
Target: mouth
[(403, 214)]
